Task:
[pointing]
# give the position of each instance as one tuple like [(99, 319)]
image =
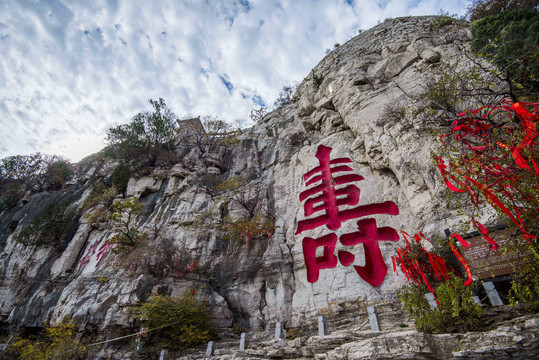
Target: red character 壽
[(328, 198)]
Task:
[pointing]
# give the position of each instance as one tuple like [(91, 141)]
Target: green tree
[(147, 141), (121, 175), (51, 225), (510, 41), (35, 172), (57, 174), (481, 8), (123, 213), (457, 311), (178, 322)]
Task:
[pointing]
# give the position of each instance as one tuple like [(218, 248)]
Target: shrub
[(36, 172), (50, 226), (147, 141), (121, 175), (509, 41), (457, 311), (294, 333), (157, 257), (286, 96), (123, 212), (57, 174), (317, 79), (255, 227), (57, 342), (441, 21), (525, 282), (10, 196), (180, 322), (99, 203), (481, 8), (258, 114)]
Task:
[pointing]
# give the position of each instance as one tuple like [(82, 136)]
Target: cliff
[(364, 100)]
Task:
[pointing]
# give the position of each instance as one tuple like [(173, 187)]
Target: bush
[(10, 195), (258, 114), (457, 311), (123, 212), (286, 96), (157, 257), (482, 8), (525, 282), (509, 41), (317, 79), (57, 174), (50, 226), (99, 202), (120, 176), (255, 227), (36, 172), (147, 141), (180, 322), (57, 342)]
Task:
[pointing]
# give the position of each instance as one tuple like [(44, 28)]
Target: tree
[(488, 158), (286, 96), (491, 156), (123, 212), (120, 176), (457, 312), (179, 321), (57, 173), (36, 172), (482, 8), (51, 225), (147, 141), (57, 342), (510, 41)]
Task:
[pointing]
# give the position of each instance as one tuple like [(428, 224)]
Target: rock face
[(257, 282)]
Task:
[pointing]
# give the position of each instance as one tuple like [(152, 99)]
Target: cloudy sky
[(71, 69)]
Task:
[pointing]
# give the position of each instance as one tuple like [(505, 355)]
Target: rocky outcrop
[(255, 281), (514, 339)]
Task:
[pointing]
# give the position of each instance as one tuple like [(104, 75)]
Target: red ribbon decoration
[(463, 262), (483, 231), (478, 171), (443, 171), (417, 272), (528, 123)]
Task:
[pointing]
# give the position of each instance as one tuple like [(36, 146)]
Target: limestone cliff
[(257, 282)]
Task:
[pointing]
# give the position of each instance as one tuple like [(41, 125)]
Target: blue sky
[(71, 69)]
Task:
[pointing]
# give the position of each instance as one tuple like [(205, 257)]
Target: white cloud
[(71, 69)]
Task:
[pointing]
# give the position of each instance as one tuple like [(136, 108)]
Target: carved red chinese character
[(330, 198), (375, 269), (314, 264), (326, 197)]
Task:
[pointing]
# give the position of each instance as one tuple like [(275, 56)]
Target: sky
[(71, 69)]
